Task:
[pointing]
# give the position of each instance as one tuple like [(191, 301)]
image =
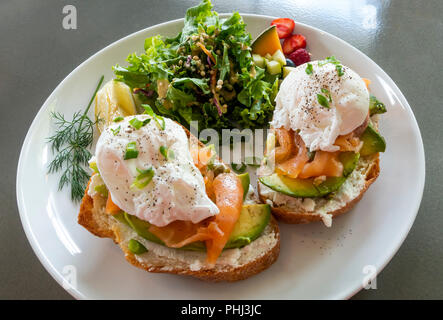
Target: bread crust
[(299, 217), (229, 274), (103, 225)]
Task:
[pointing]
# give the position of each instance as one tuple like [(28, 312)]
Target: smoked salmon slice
[(178, 234), (324, 164), (298, 166), (294, 165), (202, 156), (111, 207), (349, 142), (286, 145), (229, 200), (214, 231)]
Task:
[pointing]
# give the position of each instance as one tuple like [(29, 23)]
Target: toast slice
[(232, 265), (304, 210)]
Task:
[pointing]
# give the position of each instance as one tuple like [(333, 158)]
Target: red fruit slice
[(285, 26), (300, 56), (294, 42)]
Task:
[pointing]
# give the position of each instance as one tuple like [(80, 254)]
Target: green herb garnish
[(330, 59), (309, 69), (326, 91), (70, 143), (102, 190), (322, 100), (118, 119), (131, 151), (137, 124), (143, 178), (333, 60), (93, 166), (168, 154), (116, 130), (339, 69)]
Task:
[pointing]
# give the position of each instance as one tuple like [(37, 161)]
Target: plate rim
[(44, 260)]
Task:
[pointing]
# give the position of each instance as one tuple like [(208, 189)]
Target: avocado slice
[(307, 188), (251, 223), (141, 227), (121, 217), (245, 181), (349, 161), (373, 142), (304, 188)]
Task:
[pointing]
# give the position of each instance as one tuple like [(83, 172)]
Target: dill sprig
[(70, 144)]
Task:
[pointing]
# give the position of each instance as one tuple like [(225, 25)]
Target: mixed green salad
[(206, 74)]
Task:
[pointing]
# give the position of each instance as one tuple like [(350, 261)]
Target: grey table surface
[(404, 37)]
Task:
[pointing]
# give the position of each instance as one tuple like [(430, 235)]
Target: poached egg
[(177, 189), (298, 106)]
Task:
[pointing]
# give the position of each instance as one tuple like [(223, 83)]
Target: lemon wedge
[(114, 99)]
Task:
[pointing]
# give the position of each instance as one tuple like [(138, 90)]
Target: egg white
[(298, 108), (177, 189)]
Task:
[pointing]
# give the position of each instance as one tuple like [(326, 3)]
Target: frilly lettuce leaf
[(247, 94)]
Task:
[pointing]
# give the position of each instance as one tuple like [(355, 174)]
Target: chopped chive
[(116, 130), (118, 119), (164, 152), (242, 169), (330, 59), (143, 178), (93, 166), (136, 247), (309, 69), (334, 61), (339, 69), (102, 190), (322, 100), (326, 91), (131, 151), (137, 124), (168, 154)]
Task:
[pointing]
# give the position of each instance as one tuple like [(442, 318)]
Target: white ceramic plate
[(315, 261)]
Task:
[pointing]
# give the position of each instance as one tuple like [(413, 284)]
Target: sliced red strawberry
[(293, 43), (285, 26), (300, 56)]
